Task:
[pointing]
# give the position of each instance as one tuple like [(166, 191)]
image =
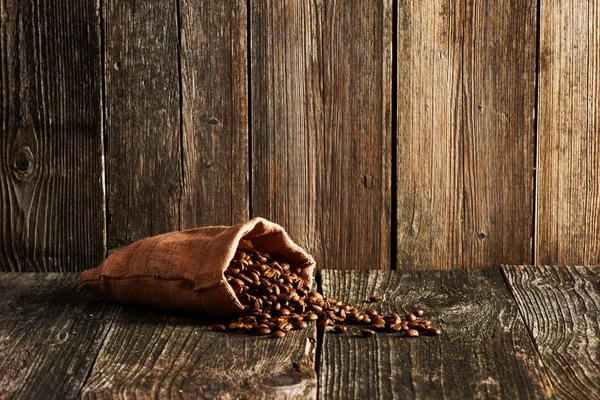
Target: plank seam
[(100, 348), (536, 146), (249, 99), (394, 205), (103, 124), (181, 140), (320, 338)]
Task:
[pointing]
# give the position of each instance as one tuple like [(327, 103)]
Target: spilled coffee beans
[(277, 299)]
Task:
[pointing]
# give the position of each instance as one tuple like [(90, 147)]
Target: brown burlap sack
[(184, 270)]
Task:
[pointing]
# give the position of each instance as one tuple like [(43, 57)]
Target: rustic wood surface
[(465, 133), (568, 188), (51, 176), (50, 335), (538, 342), (321, 126), (162, 355), (484, 351), (143, 152), (561, 306), (215, 113)]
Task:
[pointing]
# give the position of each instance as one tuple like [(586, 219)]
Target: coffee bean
[(411, 333), (300, 325), (433, 332), (263, 331), (367, 332), (396, 327), (277, 334), (235, 325), (277, 299)]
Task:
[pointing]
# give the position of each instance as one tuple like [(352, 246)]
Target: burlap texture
[(184, 270)]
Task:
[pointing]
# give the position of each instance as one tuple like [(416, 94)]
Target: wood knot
[(213, 121), (481, 235), (23, 163)]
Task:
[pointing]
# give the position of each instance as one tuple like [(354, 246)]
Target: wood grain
[(484, 351), (287, 116), (568, 189), (561, 307), (164, 355), (51, 176), (50, 334), (321, 126), (466, 138), (142, 119), (215, 112)]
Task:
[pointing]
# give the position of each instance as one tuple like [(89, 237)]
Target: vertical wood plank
[(51, 173), (466, 98), (321, 126), (142, 118), (287, 116), (215, 112), (568, 188)]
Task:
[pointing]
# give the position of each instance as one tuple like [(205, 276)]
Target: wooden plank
[(142, 119), (50, 334), (484, 351), (466, 137), (51, 174), (568, 189), (321, 126), (164, 355), (215, 112), (561, 307)]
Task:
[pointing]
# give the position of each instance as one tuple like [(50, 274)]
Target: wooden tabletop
[(510, 332)]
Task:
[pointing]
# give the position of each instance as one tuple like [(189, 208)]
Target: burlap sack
[(184, 270)]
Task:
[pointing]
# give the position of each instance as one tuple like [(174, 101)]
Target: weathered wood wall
[(404, 134)]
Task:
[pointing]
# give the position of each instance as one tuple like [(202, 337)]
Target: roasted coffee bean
[(277, 334), (235, 325), (411, 333), (300, 325), (396, 327), (276, 298), (263, 331), (367, 332), (219, 328), (433, 332), (340, 328)]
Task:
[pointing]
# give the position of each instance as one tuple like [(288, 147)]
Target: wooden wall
[(409, 134)]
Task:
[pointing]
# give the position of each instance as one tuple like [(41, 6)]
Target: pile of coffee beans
[(277, 299)]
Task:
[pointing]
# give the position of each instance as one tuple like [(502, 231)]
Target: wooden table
[(510, 332)]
